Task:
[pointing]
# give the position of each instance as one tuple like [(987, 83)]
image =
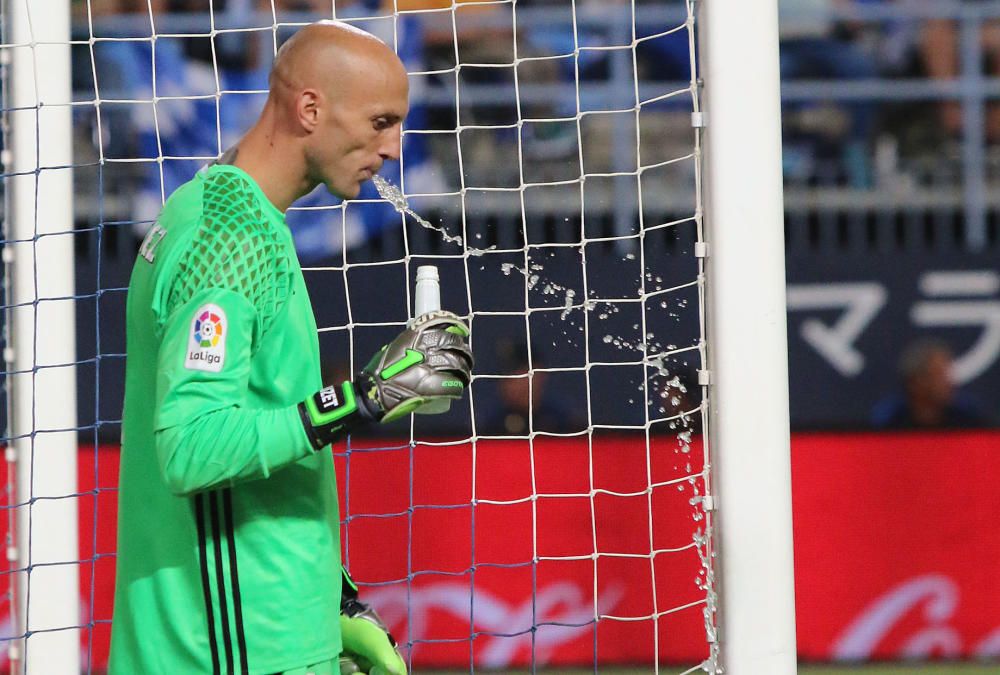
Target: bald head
[(327, 53), (334, 114)]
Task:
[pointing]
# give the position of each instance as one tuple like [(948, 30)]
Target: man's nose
[(391, 146)]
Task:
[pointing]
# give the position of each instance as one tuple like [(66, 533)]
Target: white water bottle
[(427, 298)]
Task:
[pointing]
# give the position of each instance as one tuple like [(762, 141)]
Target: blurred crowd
[(824, 39), (846, 139)]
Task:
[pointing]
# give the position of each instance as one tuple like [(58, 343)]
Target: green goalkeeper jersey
[(228, 523)]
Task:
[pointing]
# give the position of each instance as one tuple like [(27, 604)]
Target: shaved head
[(325, 53), (338, 97)]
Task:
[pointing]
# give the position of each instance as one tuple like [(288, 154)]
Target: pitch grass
[(915, 669), (887, 669), (895, 669)]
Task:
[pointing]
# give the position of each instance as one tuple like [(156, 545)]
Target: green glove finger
[(397, 669), (371, 644)]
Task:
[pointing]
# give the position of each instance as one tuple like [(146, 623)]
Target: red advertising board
[(514, 548), (897, 552)]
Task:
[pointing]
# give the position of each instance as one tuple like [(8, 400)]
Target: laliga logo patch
[(207, 342)]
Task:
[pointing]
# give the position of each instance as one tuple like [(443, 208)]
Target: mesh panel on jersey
[(235, 248)]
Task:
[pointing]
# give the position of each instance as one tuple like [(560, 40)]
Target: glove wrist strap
[(334, 411)]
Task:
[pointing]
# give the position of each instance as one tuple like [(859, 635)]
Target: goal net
[(551, 170)]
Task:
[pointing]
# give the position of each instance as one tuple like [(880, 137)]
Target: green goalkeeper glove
[(428, 361), (368, 645)]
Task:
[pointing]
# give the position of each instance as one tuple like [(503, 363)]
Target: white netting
[(552, 166)]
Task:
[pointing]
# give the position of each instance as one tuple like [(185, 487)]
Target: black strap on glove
[(334, 411)]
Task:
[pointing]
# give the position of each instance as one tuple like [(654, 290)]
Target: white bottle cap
[(425, 272)]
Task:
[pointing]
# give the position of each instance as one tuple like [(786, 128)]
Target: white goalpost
[(617, 230), (747, 336), (40, 353)]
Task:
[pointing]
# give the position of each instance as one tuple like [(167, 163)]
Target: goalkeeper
[(228, 532)]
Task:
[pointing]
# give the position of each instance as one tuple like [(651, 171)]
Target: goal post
[(747, 336), (41, 353)]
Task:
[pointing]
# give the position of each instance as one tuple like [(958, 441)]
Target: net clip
[(704, 378), (698, 120)]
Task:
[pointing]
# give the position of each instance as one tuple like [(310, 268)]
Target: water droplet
[(397, 199)]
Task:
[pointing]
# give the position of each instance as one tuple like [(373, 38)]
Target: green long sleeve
[(206, 434)]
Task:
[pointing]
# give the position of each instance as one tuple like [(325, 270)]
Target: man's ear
[(307, 107)]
